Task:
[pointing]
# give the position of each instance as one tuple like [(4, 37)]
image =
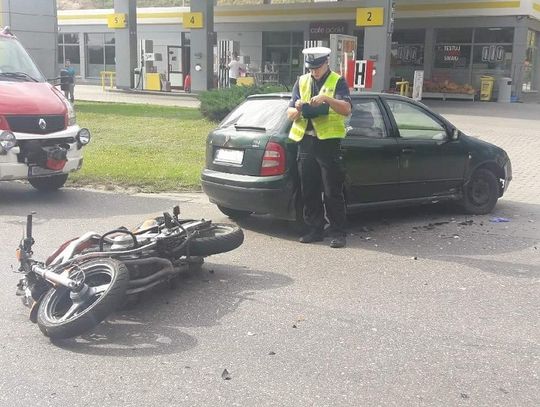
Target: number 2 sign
[(369, 16)]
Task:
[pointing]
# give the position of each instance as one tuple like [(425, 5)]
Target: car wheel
[(234, 213), (481, 193), (47, 184)]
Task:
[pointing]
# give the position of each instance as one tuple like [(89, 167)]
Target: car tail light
[(273, 162)]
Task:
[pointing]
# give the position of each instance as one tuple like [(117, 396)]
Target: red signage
[(363, 74)]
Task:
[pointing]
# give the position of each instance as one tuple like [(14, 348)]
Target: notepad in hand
[(309, 111)]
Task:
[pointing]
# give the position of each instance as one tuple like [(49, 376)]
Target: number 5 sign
[(369, 16), (117, 20), (193, 20)]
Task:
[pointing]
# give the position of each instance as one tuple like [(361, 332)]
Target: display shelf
[(447, 95)]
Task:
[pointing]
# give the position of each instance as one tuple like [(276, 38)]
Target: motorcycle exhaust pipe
[(167, 270)]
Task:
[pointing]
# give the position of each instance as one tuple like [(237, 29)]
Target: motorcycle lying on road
[(89, 277)]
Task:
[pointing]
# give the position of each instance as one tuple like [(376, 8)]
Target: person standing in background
[(68, 81), (235, 68)]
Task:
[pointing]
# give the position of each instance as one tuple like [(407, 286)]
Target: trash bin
[(486, 88), (505, 90)]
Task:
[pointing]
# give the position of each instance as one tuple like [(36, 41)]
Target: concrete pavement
[(97, 94)]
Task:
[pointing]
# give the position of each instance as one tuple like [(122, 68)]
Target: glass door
[(174, 64)]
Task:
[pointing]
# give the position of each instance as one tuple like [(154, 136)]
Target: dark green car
[(397, 152)]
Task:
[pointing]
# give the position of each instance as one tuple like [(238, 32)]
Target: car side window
[(414, 123), (365, 120)]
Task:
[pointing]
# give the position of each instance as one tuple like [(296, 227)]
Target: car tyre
[(234, 213), (481, 193), (49, 184)]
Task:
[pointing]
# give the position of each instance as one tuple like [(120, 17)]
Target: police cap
[(316, 56)]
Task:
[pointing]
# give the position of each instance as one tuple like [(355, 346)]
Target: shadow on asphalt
[(156, 324), (437, 232)]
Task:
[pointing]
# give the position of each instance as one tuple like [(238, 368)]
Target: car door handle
[(407, 150)]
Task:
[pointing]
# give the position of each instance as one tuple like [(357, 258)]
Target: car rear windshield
[(262, 114), (15, 63)]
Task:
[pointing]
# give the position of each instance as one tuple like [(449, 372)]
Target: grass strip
[(143, 147)]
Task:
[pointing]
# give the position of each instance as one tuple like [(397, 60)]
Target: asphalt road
[(425, 307)]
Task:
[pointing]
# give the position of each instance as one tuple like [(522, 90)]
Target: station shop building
[(455, 43)]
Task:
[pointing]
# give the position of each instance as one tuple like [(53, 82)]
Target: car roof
[(354, 95)]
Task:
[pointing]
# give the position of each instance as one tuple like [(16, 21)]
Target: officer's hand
[(318, 100), (298, 104), (293, 113)]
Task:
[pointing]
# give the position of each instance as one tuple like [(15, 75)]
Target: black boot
[(313, 236)]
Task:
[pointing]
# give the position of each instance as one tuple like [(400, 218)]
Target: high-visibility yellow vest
[(328, 126)]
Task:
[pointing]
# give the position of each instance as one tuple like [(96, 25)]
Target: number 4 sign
[(193, 20), (363, 74)]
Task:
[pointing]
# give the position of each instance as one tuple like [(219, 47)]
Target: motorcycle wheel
[(218, 238), (64, 314)]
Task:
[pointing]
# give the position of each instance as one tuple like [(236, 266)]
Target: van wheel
[(481, 193), (234, 213), (47, 184)]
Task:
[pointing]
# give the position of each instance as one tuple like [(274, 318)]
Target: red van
[(40, 140)]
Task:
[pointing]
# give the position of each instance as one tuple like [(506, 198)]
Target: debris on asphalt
[(464, 396), (414, 258), (271, 353), (226, 375), (251, 333), (466, 222), (294, 326), (499, 220), (430, 226)]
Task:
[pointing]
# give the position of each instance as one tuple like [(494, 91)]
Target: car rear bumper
[(265, 195)]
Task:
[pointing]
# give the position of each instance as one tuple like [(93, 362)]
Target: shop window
[(282, 53), (407, 54), (452, 56), (100, 53), (68, 48), (454, 35), (494, 35), (530, 65), (492, 56), (409, 36)]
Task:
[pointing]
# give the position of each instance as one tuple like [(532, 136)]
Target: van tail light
[(55, 165), (4, 125), (273, 162)]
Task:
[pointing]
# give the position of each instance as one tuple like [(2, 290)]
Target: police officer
[(318, 107)]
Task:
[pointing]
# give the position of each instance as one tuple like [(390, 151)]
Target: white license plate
[(226, 155), (36, 171)]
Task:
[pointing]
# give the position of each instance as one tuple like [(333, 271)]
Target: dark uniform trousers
[(320, 164)]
